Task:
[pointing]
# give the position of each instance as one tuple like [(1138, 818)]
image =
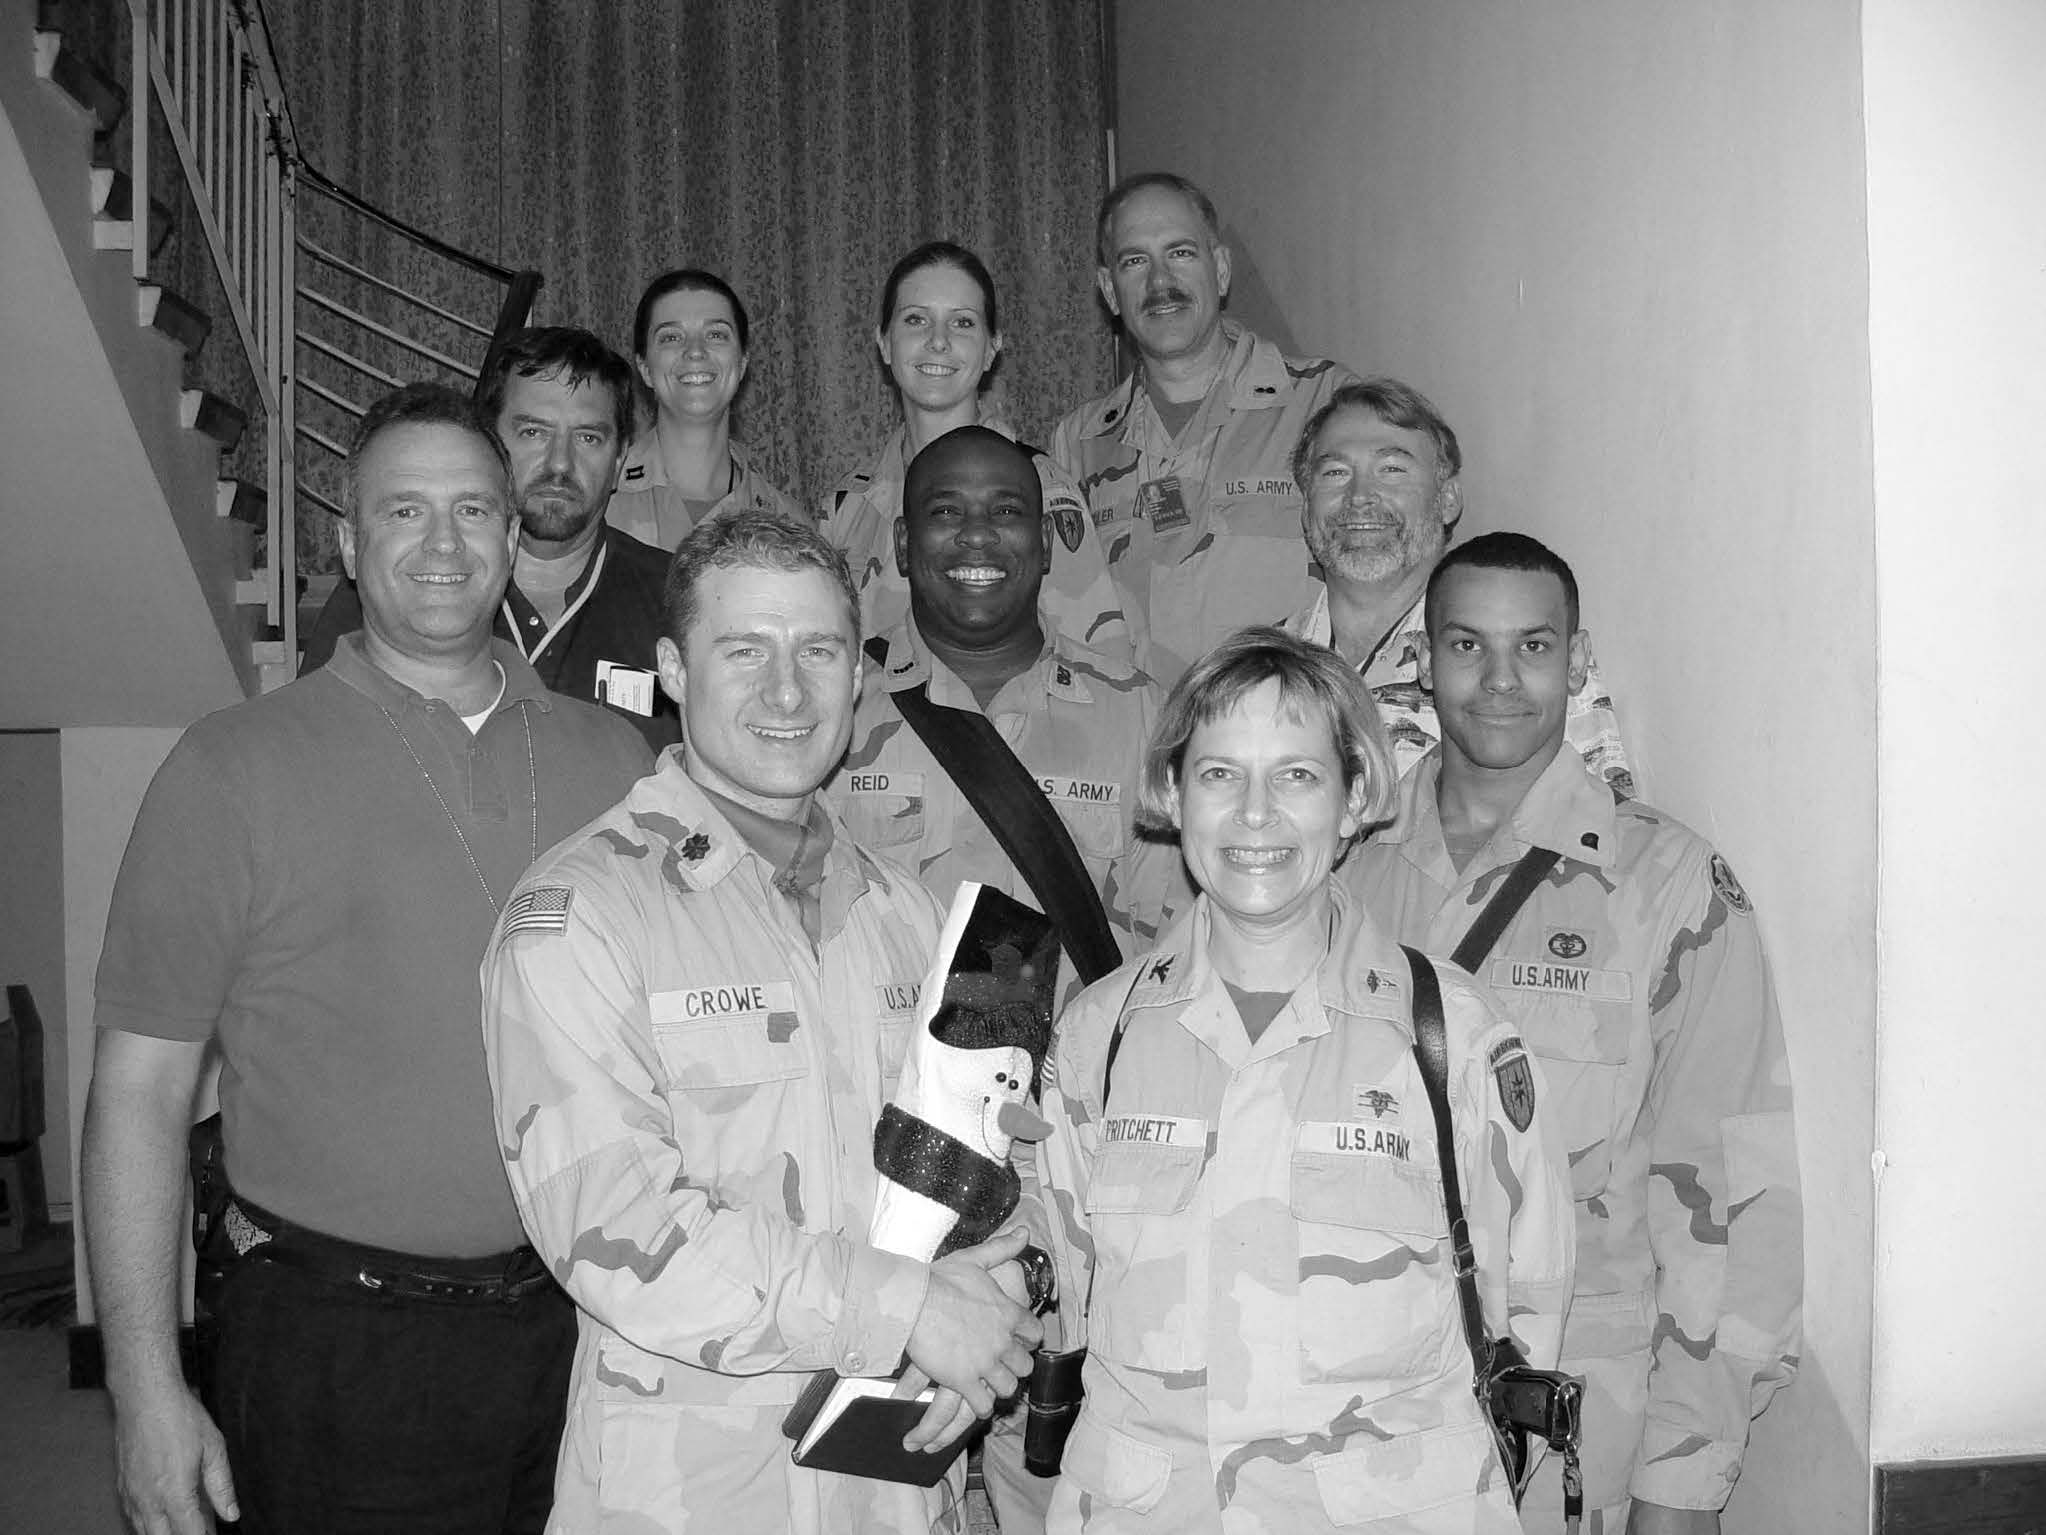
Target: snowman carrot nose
[(1021, 1122)]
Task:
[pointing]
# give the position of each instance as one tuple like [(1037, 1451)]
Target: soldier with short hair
[(1635, 972), (1185, 463), (694, 1011)]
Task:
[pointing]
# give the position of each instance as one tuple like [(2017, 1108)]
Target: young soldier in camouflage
[(694, 1010), (1636, 974)]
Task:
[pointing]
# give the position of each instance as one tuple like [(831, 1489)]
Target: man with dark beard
[(584, 601), (1378, 468)]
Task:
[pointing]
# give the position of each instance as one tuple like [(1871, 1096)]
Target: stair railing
[(212, 71)]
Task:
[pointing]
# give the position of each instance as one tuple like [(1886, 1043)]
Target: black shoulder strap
[(1504, 906), (1431, 1050), (1002, 792)]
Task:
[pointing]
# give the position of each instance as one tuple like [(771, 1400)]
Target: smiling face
[(1166, 275), (1262, 810), (429, 542), (564, 447), (1377, 506), (766, 678), (1502, 663), (937, 345), (973, 540), (693, 361)]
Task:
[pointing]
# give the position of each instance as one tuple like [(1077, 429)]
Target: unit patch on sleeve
[(543, 909), (1514, 1075), (1067, 516), (1728, 888)]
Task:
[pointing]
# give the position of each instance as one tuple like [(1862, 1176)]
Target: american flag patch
[(540, 910)]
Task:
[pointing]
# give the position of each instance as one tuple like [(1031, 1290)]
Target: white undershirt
[(475, 721)]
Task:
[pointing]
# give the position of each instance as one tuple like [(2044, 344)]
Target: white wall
[(105, 772), (32, 921), (1622, 244), (1956, 109)]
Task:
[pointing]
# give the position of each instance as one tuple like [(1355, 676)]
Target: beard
[(1382, 554), (555, 510)]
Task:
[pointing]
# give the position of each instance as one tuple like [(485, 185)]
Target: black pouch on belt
[(1051, 1401)]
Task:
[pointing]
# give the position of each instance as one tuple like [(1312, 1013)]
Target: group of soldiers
[(640, 1210)]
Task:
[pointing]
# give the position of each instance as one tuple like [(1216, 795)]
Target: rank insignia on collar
[(1727, 887), (697, 847), (1064, 675), (636, 472), (1514, 1075), (1567, 945)]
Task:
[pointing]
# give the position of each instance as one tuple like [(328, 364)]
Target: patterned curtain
[(795, 146)]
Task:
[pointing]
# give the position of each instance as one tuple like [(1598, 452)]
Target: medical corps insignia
[(1515, 1077), (1566, 945), (1728, 888)]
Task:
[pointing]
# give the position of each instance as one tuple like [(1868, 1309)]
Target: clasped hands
[(972, 1339)]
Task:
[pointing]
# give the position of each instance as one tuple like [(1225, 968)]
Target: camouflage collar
[(1568, 811), (1363, 975)]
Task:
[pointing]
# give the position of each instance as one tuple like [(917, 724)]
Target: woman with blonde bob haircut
[(1243, 1180)]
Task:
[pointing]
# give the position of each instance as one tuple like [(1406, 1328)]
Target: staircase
[(145, 581)]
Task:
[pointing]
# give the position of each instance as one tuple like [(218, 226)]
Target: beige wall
[(1623, 246), (32, 921), (1956, 111), (105, 772)]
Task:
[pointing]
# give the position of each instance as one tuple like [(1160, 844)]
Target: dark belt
[(257, 1235)]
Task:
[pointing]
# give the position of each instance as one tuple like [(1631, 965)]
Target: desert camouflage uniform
[(1636, 974), (686, 1095), (1394, 676), (1076, 719), (1274, 1336), (1077, 598), (1229, 552), (645, 505)]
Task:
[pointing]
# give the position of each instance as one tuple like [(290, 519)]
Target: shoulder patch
[(543, 909), (1727, 887), (1514, 1077), (1067, 518)]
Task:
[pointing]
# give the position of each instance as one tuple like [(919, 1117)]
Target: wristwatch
[(1039, 1278)]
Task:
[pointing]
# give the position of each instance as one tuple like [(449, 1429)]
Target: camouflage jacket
[(645, 505), (1394, 676), (1077, 598), (1273, 1331), (686, 1093), (1078, 721), (1636, 975), (1202, 532)]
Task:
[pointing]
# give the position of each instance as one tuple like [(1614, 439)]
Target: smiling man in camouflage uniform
[(694, 1011), (1635, 973)]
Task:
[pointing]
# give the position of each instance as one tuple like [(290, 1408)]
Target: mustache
[(1159, 299)]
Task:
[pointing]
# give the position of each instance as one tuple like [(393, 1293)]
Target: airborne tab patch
[(543, 909), (1514, 1076)]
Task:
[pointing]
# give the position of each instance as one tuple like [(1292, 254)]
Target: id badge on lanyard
[(1165, 499)]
